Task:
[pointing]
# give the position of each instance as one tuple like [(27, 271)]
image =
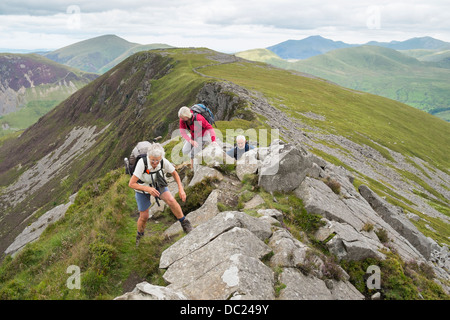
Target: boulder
[(254, 202), (228, 264), (350, 209), (349, 244), (273, 213), (247, 164), (203, 172), (221, 258), (283, 169), (288, 251), (211, 229), (207, 211)]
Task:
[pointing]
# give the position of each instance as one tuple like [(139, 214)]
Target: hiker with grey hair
[(148, 180), (201, 132), (241, 147)]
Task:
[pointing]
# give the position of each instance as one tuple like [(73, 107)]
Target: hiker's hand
[(182, 195), (153, 192), (194, 143)]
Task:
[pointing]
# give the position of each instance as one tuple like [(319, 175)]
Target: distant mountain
[(98, 54), (414, 43), (30, 85), (315, 45), (308, 47), (380, 71)]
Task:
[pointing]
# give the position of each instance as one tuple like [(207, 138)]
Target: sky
[(223, 25)]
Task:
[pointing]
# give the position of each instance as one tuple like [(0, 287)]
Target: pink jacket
[(205, 127)]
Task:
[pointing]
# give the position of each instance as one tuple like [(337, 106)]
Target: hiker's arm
[(180, 186), (208, 128), (136, 186), (185, 132)]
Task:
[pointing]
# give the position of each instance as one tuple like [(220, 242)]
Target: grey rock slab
[(208, 231)]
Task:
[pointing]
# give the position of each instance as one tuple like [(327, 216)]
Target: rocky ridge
[(232, 255)]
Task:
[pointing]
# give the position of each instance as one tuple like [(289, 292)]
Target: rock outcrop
[(232, 255), (34, 230)]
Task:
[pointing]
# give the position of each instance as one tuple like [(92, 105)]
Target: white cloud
[(223, 25)]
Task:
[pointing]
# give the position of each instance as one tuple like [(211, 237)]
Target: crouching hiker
[(148, 180)]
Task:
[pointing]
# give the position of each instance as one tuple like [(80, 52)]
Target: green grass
[(399, 280), (97, 234)]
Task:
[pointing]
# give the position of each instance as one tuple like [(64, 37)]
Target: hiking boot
[(186, 225), (138, 238)]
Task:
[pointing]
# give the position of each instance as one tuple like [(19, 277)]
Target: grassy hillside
[(384, 72), (439, 57), (139, 99), (97, 234), (363, 117)]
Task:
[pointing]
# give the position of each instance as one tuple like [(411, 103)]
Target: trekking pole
[(127, 166)]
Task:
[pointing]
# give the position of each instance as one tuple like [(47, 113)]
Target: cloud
[(232, 24)]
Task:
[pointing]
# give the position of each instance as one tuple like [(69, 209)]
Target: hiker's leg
[(167, 197), (143, 202), (189, 149), (186, 147), (142, 221), (206, 139)]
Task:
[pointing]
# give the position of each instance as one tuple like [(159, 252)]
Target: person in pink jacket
[(196, 130)]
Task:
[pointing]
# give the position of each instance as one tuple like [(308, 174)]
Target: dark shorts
[(143, 199)]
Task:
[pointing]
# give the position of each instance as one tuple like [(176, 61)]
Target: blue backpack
[(200, 108)]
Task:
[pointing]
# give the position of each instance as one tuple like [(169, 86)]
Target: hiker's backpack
[(200, 108), (139, 151)]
